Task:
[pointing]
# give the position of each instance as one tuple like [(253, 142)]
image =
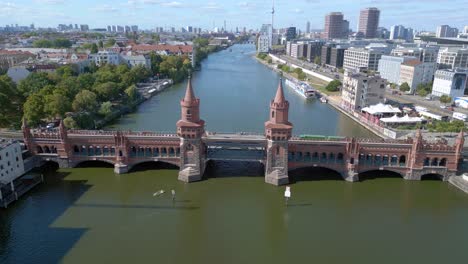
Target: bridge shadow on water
[(25, 226), (94, 164), (227, 169), (153, 165), (379, 174), (314, 174)]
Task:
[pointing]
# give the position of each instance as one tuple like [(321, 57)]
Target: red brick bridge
[(191, 147)]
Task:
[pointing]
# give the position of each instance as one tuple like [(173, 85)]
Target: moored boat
[(301, 88)]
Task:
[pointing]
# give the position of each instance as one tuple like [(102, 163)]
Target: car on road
[(443, 107), (428, 98)]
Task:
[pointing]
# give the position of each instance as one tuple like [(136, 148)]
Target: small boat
[(323, 100)]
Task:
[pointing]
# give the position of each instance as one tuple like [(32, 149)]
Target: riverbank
[(334, 99)]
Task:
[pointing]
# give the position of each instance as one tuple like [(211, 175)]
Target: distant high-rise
[(465, 30), (334, 25), (308, 27), (400, 32), (446, 31), (114, 29), (369, 22), (135, 28), (291, 33), (109, 28), (345, 28)]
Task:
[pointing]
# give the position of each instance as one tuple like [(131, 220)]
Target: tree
[(94, 48), (69, 122), (34, 109), (445, 99), (107, 91), (85, 101), (65, 71), (333, 86), (10, 102), (100, 44), (34, 83), (105, 109), (56, 105), (110, 42), (131, 93), (317, 60), (85, 81), (404, 87), (297, 71)]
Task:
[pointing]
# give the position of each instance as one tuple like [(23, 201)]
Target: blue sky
[(419, 14)]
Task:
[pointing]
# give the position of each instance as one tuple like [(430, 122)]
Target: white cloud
[(298, 11)]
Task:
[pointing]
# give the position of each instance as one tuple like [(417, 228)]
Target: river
[(91, 215)]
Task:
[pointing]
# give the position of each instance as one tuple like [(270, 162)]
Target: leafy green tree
[(57, 104), (297, 71), (70, 122), (445, 99), (201, 42), (85, 81), (155, 59), (94, 48), (333, 86), (105, 109), (65, 71), (110, 42), (422, 92), (132, 93), (85, 101), (10, 102), (107, 91), (404, 87), (100, 44), (34, 83), (34, 109)]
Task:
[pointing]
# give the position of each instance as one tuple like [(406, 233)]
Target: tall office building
[(291, 33), (333, 25), (369, 22), (400, 32), (446, 31), (308, 27)]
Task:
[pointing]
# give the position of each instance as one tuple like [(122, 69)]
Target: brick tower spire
[(190, 129), (278, 131)]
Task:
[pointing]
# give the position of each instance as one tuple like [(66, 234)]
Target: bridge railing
[(209, 133), (124, 133)]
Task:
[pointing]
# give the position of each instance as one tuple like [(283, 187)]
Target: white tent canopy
[(405, 119), (381, 109)]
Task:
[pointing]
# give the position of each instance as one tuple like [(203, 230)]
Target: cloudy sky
[(419, 14)]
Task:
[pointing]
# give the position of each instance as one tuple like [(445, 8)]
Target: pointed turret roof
[(279, 98), (189, 94)]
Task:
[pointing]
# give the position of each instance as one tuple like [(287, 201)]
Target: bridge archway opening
[(432, 177), (379, 174), (95, 164), (153, 165), (314, 174), (229, 169)]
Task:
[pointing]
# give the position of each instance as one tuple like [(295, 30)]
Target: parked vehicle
[(459, 116)]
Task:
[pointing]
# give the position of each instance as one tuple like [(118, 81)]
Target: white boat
[(301, 88), (323, 100)]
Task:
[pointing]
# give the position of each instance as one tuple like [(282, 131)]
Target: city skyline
[(209, 14)]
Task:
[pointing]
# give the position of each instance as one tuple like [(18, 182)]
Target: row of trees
[(55, 43), (90, 96), (441, 126)]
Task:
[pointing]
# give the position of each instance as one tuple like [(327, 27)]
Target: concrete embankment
[(459, 182)]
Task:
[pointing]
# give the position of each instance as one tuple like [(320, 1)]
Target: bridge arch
[(94, 163), (432, 177), (145, 165), (314, 173), (377, 174)]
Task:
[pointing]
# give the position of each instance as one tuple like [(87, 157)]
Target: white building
[(105, 57), (453, 57), (361, 90), (137, 60), (11, 162), (400, 32), (450, 82), (389, 67), (267, 30), (356, 58), (263, 44), (415, 72)]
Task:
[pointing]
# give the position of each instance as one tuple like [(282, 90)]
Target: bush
[(333, 86), (404, 87)]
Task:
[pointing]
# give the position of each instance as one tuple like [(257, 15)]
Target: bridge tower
[(190, 129), (278, 131)]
